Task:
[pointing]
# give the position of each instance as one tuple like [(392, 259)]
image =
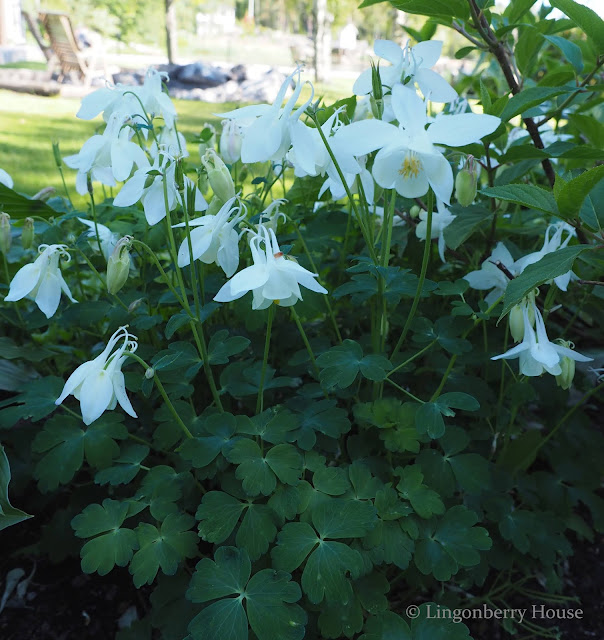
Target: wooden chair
[(68, 55)]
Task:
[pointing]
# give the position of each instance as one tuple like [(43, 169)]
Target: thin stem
[(163, 274), (412, 358), (407, 393), (96, 226), (386, 243), (267, 343), (100, 277), (60, 168), (305, 340), (160, 388), (422, 275)]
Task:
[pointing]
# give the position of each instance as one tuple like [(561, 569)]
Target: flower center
[(411, 166)]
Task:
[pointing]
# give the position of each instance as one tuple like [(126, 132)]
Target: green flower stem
[(190, 201), (314, 268), (60, 168), (386, 243), (422, 275), (198, 332), (100, 277), (96, 226), (267, 343), (305, 340), (412, 358), (7, 273), (160, 388), (357, 213), (403, 390)]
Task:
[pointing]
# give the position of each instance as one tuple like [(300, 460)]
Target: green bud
[(6, 237), (218, 175), (57, 154), (149, 373), (516, 320), (377, 107), (44, 194), (27, 233), (243, 173), (414, 211), (565, 378), (215, 205), (466, 182), (179, 176), (202, 181), (118, 265), (376, 82)]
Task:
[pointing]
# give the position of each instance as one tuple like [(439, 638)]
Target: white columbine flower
[(147, 185), (230, 141), (107, 238), (536, 353), (214, 239), (265, 127), (5, 179), (107, 157), (441, 219), (490, 276), (409, 160), (99, 384), (42, 280), (272, 277), (409, 65)]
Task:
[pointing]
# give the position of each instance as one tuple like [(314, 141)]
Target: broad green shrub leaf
[(114, 546), (270, 596), (585, 18), (451, 543), (65, 444), (9, 515), (571, 51), (531, 97), (170, 611), (162, 548), (35, 403), (344, 518), (341, 365), (515, 10), (526, 195), (549, 267), (176, 322), (445, 331), (469, 471), (221, 347), (18, 206), (257, 530), (573, 193), (437, 8), (259, 472), (466, 221), (427, 625), (517, 526), (411, 487), (127, 465)]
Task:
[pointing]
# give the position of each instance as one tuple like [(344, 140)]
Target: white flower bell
[(272, 278), (99, 384), (441, 219), (42, 280)]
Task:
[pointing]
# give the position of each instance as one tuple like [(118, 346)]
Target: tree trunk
[(171, 29), (321, 44)]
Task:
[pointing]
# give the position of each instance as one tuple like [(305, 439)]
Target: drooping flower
[(230, 141), (272, 278), (265, 128), (108, 238), (214, 239), (409, 65), (5, 179), (409, 159), (99, 384), (147, 185), (42, 280), (536, 353), (490, 276), (441, 219), (107, 157)]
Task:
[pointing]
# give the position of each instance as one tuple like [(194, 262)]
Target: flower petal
[(24, 282), (119, 389), (361, 138), (131, 191), (96, 395), (409, 108), (439, 174), (48, 295), (427, 53), (462, 129), (434, 86)]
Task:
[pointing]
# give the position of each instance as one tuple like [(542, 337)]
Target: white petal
[(434, 86), (280, 284), (82, 183), (24, 282), (96, 395), (153, 203), (362, 85), (5, 179), (131, 191), (388, 50), (427, 53), (122, 159), (244, 113), (200, 242), (48, 295), (261, 140), (484, 278), (570, 353), (361, 138), (409, 108), (387, 164), (513, 352), (228, 254), (411, 186), (528, 366), (249, 278), (76, 379), (439, 174), (119, 389), (462, 129), (95, 102), (303, 143)]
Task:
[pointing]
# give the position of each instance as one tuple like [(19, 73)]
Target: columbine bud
[(27, 233), (517, 323), (44, 194), (230, 141), (218, 175), (414, 211), (149, 373), (118, 265), (179, 176), (465, 183), (56, 152), (565, 378), (207, 139), (215, 206), (6, 237)]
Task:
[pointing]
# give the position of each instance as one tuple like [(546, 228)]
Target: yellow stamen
[(411, 166)]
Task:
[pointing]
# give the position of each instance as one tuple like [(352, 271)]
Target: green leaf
[(571, 51), (341, 365), (175, 323), (18, 206), (257, 530), (428, 419), (273, 425), (466, 221), (388, 543), (9, 515), (585, 18), (162, 548), (331, 480), (424, 500), (339, 619), (516, 526), (203, 450), (525, 195), (454, 543), (269, 599), (550, 266), (574, 192), (115, 546), (127, 466), (343, 518), (221, 347), (285, 462), (35, 403), (457, 400), (387, 626), (218, 515), (515, 10), (322, 416), (438, 8), (529, 98)]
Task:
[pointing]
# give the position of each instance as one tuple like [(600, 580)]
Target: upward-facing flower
[(42, 280), (409, 65), (214, 239), (409, 159), (272, 278), (265, 127), (99, 384)]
